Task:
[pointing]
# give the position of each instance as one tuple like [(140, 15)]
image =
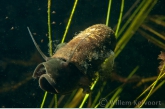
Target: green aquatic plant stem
[(49, 29), (43, 101), (66, 30), (55, 101), (50, 44), (120, 18), (108, 12), (50, 40), (155, 89), (111, 101), (133, 72), (158, 86), (76, 99), (69, 22)]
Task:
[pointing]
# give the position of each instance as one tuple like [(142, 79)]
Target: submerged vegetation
[(137, 79)]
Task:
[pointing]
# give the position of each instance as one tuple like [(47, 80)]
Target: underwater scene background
[(19, 57)]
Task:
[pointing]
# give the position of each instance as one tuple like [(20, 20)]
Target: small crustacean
[(74, 64)]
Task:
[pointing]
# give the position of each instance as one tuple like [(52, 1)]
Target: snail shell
[(74, 64)]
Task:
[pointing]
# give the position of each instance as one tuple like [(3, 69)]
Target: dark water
[(19, 56)]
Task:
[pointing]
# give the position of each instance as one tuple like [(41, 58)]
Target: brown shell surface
[(89, 48)]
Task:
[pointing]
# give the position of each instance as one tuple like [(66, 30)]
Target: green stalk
[(43, 101), (120, 18), (55, 101), (50, 44), (108, 12), (49, 29), (155, 89), (111, 101), (70, 19)]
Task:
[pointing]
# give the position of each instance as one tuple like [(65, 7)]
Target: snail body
[(74, 64)]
